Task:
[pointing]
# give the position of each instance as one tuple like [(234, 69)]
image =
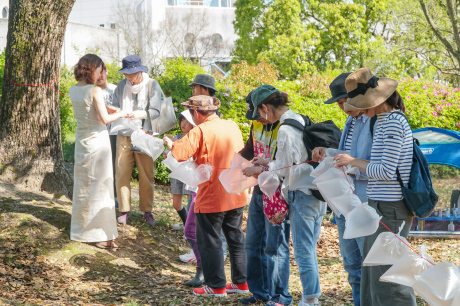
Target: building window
[(5, 12), (112, 26), (101, 25), (216, 39)]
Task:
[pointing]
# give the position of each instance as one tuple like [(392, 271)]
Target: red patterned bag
[(275, 209)]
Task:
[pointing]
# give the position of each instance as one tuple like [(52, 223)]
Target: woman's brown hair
[(85, 67), (276, 99)]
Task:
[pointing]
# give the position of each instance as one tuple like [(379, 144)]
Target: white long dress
[(93, 205)]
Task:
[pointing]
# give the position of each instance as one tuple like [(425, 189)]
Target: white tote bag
[(167, 119)]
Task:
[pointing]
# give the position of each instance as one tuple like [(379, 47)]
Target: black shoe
[(197, 281)]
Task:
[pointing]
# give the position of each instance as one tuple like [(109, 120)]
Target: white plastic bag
[(387, 249), (185, 172), (330, 174), (443, 280), (202, 174), (404, 270), (361, 221), (323, 166), (148, 144), (123, 124), (299, 177), (344, 204), (429, 297), (268, 183), (334, 188), (170, 162)]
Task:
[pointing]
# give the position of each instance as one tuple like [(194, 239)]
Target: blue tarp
[(439, 146)]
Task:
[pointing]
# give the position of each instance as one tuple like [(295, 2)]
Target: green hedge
[(427, 103)]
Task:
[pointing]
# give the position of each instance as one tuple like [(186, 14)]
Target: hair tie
[(363, 87)]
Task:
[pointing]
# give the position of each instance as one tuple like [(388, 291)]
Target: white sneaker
[(188, 258), (177, 227)]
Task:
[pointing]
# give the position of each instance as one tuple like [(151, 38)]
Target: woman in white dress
[(93, 206)]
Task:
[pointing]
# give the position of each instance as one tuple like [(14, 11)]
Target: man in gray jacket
[(140, 95)]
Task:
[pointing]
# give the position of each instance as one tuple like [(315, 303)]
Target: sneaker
[(177, 227), (188, 258), (241, 288), (303, 303), (148, 217), (123, 218), (207, 291), (250, 300)]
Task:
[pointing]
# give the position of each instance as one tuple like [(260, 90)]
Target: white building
[(199, 28)]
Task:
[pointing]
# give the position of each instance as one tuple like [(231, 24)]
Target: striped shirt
[(347, 145), (391, 149)]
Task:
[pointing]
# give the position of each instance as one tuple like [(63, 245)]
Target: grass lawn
[(39, 265)]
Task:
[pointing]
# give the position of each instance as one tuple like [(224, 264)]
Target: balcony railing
[(209, 3)]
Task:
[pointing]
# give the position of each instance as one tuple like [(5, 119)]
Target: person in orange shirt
[(215, 141)]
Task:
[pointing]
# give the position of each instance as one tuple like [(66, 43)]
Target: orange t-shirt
[(214, 141)]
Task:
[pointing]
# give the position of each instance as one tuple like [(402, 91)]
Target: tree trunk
[(30, 134)]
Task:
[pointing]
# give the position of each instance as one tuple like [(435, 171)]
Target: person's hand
[(318, 153), (168, 141), (111, 109), (259, 161), (252, 171), (130, 116), (343, 159)]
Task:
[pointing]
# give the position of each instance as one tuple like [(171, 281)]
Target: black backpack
[(324, 134)]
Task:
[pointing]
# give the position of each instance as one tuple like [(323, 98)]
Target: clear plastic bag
[(332, 173), (344, 204), (361, 221), (268, 183), (202, 174), (410, 264), (231, 180), (299, 177), (185, 172), (239, 162), (330, 152), (443, 280), (170, 162), (148, 144), (323, 166), (387, 249), (123, 124)]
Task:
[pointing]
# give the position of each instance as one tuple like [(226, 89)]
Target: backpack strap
[(294, 123), (372, 124), (399, 177)]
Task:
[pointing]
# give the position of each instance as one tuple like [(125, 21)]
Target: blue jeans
[(306, 213), (352, 254), (267, 251)]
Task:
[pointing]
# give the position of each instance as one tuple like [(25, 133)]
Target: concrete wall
[(84, 37)]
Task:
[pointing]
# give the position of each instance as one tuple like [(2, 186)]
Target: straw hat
[(366, 90)]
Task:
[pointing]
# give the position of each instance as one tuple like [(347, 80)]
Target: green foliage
[(443, 172)]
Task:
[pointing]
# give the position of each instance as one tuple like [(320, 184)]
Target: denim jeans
[(352, 254), (267, 251), (306, 213)]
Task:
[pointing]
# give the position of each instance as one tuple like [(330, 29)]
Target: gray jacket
[(154, 97)]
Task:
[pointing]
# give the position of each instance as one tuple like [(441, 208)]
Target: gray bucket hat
[(205, 80)]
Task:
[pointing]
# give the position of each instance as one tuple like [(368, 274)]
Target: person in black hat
[(357, 141), (203, 84), (140, 95), (259, 231)]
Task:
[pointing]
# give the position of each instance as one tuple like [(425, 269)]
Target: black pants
[(208, 228), (113, 145)]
